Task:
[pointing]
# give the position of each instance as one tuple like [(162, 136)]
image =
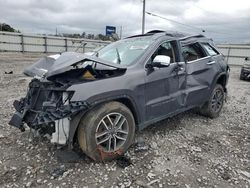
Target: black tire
[(213, 107), (92, 123)]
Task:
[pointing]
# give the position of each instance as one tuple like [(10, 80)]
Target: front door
[(164, 87)]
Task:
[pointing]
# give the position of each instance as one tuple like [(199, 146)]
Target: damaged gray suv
[(99, 101)]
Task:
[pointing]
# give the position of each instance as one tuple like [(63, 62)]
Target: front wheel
[(213, 107), (107, 131)]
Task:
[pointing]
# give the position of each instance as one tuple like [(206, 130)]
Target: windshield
[(125, 51)]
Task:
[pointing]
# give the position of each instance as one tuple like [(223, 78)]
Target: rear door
[(164, 87), (215, 56), (201, 70)]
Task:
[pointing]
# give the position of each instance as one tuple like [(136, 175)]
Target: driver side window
[(165, 49)]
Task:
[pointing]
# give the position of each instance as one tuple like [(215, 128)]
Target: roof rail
[(155, 31), (179, 35), (168, 33), (141, 35), (192, 36)]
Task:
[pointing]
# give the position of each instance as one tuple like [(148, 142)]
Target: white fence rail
[(18, 42), (235, 53)]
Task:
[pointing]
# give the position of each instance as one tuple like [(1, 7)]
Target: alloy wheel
[(217, 100), (112, 132)]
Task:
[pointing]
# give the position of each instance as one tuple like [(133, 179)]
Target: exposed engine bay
[(47, 107)]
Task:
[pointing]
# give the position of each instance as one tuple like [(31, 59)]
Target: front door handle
[(211, 62), (179, 69)]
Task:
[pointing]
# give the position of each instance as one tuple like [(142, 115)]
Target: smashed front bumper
[(44, 106)]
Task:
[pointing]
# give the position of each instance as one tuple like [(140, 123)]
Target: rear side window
[(210, 50), (193, 52)]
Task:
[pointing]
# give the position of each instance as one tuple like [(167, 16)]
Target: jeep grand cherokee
[(100, 101)]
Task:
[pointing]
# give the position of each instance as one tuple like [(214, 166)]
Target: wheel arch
[(131, 106), (220, 79), (125, 100)]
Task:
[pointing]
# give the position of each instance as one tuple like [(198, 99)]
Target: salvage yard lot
[(188, 150)]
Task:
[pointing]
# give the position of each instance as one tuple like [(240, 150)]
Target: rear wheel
[(107, 131), (213, 107)]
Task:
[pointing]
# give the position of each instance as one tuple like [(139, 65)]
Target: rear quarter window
[(209, 49)]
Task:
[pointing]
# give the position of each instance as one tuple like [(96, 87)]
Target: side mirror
[(246, 58), (161, 61)]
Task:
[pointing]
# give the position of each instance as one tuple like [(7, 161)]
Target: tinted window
[(210, 50), (192, 52), (165, 49)]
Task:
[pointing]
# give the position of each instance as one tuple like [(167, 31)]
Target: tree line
[(8, 28)]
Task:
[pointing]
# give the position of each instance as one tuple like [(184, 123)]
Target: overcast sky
[(223, 20)]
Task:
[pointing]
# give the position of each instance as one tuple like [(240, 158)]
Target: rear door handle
[(180, 69), (211, 62)]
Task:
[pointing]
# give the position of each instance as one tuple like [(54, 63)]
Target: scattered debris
[(28, 184), (123, 161), (196, 149), (154, 145), (142, 184), (67, 156), (10, 72), (245, 173), (22, 80), (140, 145), (153, 181), (57, 172), (151, 175), (9, 176), (2, 136)]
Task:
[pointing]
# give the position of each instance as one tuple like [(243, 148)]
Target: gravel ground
[(184, 151)]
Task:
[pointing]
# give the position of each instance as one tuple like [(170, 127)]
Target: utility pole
[(143, 16)]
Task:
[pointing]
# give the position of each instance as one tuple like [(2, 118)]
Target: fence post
[(66, 44), (22, 43), (228, 53), (45, 45), (83, 47)]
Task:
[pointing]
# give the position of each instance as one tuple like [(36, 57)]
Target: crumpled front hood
[(57, 64)]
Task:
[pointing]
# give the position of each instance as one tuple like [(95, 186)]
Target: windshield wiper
[(118, 56)]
